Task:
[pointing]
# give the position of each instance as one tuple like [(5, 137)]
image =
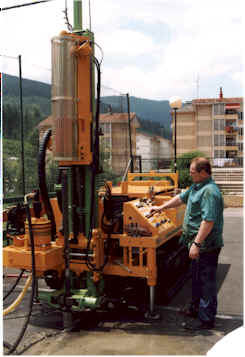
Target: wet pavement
[(128, 332)]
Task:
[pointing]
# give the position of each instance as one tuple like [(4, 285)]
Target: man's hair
[(202, 163)]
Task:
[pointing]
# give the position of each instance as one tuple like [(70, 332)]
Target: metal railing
[(140, 164)]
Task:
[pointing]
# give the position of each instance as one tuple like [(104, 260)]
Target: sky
[(152, 49)]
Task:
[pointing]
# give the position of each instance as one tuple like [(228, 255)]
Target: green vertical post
[(87, 170), (77, 16), (22, 127), (70, 218), (130, 136)]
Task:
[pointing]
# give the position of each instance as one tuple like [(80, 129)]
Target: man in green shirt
[(202, 235)]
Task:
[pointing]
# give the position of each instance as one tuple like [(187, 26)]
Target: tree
[(183, 165), (11, 126), (9, 174)]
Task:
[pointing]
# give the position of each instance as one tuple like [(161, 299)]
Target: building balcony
[(226, 116), (230, 129), (231, 143), (231, 147)]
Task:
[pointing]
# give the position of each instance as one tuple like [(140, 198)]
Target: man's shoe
[(198, 325)]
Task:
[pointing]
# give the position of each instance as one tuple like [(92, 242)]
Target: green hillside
[(154, 115), (30, 88), (154, 110), (33, 92)]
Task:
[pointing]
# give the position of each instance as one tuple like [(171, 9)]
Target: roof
[(217, 100), (186, 108), (104, 118), (118, 118), (190, 106), (48, 122)]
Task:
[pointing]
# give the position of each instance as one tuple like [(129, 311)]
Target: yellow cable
[(19, 298)]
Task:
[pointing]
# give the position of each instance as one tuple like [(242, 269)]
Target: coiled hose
[(32, 279), (14, 285), (19, 298)]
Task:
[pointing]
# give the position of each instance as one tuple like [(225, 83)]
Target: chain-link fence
[(26, 115), (21, 132), (24, 105)]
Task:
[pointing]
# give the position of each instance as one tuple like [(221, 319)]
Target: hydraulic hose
[(19, 298), (95, 167), (96, 144), (14, 285), (42, 181), (33, 291)]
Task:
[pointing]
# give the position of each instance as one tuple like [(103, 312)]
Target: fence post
[(21, 127)]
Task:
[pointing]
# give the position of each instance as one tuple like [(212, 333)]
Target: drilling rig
[(94, 246)]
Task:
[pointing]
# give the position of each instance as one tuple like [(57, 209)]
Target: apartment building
[(115, 140), (152, 149), (213, 126)]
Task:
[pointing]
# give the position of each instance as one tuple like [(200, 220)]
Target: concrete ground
[(129, 333)]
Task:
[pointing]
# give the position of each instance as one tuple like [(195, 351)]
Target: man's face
[(195, 175)]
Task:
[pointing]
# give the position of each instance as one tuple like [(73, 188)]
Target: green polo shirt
[(204, 203)]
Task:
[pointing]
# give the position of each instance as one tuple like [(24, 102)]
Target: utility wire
[(28, 4), (11, 57)]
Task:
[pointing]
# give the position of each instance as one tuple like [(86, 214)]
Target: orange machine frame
[(49, 255), (83, 51)]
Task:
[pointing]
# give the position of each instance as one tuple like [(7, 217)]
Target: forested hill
[(153, 110), (30, 88), (33, 92), (154, 115)]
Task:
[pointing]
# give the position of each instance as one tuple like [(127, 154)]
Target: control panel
[(140, 220)]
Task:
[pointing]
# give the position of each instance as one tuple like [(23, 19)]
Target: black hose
[(42, 181), (88, 262), (14, 285), (95, 169), (23, 330), (97, 115), (7, 345)]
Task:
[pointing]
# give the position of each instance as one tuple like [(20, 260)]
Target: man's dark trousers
[(204, 285)]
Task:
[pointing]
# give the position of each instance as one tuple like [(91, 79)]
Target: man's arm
[(174, 202)]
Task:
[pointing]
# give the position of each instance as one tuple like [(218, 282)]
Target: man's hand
[(194, 252), (156, 209)]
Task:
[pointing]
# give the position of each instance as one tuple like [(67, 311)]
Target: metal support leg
[(152, 314), (152, 299)]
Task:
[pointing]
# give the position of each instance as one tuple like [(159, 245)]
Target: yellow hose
[(19, 298)]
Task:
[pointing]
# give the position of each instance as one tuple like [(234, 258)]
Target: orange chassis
[(138, 253)]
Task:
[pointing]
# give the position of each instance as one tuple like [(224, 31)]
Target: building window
[(231, 141), (219, 154), (231, 154), (219, 140), (240, 115), (219, 124), (219, 109), (230, 111), (240, 131)]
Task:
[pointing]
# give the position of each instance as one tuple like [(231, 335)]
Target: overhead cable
[(27, 4)]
